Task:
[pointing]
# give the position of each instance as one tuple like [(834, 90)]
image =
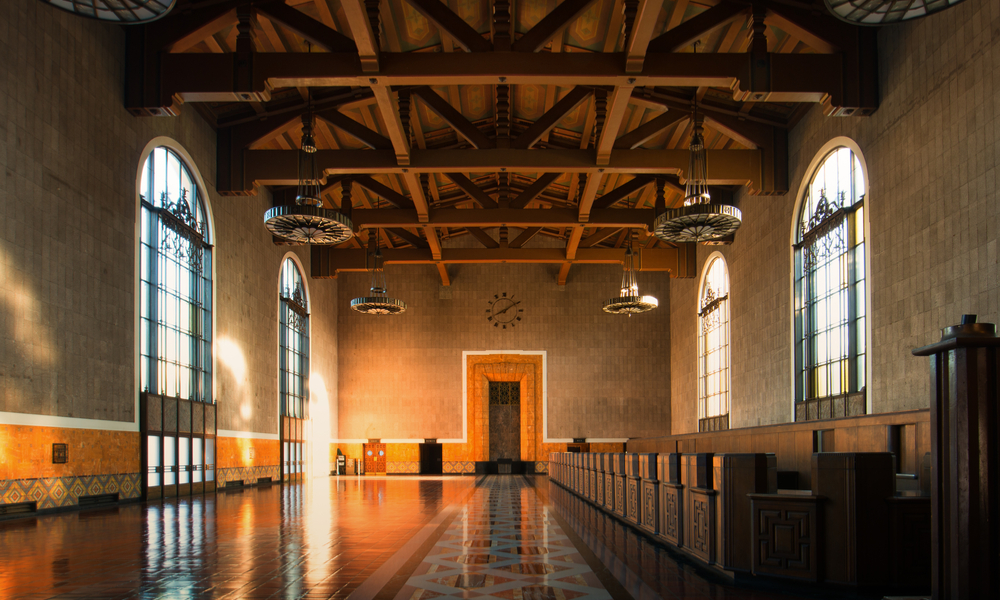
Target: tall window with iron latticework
[(176, 275), (294, 339), (713, 347), (830, 305)]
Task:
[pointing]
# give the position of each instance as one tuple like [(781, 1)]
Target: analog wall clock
[(504, 311)]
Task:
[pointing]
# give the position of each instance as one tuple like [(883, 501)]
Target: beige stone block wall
[(69, 154), (931, 149), (401, 377)]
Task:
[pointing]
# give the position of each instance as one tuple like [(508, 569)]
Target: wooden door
[(375, 458)]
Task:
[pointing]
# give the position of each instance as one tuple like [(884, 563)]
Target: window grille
[(294, 340), (176, 282), (713, 346), (830, 305)]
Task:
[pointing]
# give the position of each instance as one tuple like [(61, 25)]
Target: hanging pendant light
[(379, 302), (700, 219), (307, 222), (629, 301)]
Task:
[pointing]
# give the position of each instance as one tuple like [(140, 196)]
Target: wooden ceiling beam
[(179, 33), (551, 24), (280, 167), (623, 191), (617, 106), (414, 240), (563, 273), (552, 116), (434, 242), (697, 27), (354, 129), (392, 196), (210, 77), (534, 190), (365, 218), (642, 32), (453, 117), (364, 38), (647, 131), (474, 191), (524, 236), (483, 237), (443, 272), (307, 27), (328, 261), (445, 19), (598, 236)]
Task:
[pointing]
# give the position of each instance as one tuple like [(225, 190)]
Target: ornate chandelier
[(379, 302), (307, 222), (125, 12), (700, 219), (629, 301)]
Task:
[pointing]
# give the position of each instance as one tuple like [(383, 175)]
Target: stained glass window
[(176, 281), (830, 305), (294, 340), (713, 344)]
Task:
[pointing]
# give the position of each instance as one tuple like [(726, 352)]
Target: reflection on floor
[(370, 538)]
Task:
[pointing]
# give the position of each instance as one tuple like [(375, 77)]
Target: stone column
[(965, 452)]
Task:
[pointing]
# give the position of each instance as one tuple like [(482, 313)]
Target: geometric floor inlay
[(504, 543)]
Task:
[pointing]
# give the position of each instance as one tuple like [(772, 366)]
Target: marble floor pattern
[(363, 538), (505, 545)]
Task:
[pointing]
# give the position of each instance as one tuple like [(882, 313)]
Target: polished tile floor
[(385, 538)]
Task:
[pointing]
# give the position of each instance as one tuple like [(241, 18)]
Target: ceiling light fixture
[(126, 12), (379, 302), (699, 219), (629, 302), (885, 12), (307, 222)]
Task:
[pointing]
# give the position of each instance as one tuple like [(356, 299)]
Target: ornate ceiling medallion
[(117, 11), (307, 222)]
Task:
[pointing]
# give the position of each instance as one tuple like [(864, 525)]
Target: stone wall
[(401, 376), (70, 155)]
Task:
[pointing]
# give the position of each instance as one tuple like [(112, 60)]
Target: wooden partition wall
[(905, 435), (850, 528)]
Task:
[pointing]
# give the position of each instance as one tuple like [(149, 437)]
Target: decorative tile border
[(407, 467), (249, 475), (541, 466), (458, 467), (56, 492)]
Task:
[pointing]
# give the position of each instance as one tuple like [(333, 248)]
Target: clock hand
[(508, 308)]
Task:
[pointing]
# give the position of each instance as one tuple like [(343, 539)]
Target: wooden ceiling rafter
[(610, 147)]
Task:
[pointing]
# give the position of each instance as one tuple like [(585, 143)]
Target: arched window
[(176, 276), (830, 305), (713, 347), (293, 384), (175, 328)]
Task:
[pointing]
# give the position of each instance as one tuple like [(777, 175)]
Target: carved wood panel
[(632, 500), (599, 488), (701, 524), (620, 495), (785, 537), (609, 491), (671, 513), (650, 507)]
